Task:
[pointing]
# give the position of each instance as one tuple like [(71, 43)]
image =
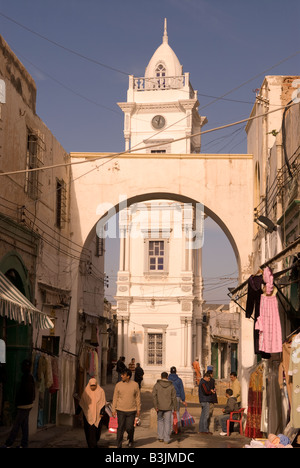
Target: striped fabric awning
[(15, 306)]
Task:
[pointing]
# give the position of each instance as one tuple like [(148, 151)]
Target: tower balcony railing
[(161, 83)]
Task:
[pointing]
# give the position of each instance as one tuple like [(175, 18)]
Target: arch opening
[(110, 211)]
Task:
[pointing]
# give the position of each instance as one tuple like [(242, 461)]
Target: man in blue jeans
[(206, 396), (180, 393), (165, 402)]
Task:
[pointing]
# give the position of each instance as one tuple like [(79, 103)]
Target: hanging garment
[(55, 373), (255, 283), (67, 384), (268, 323), (269, 280), (269, 326), (42, 373), (35, 365), (49, 373), (285, 380), (255, 395), (275, 411)]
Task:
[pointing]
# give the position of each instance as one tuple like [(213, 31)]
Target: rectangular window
[(33, 161), (61, 203), (156, 255), (155, 349)]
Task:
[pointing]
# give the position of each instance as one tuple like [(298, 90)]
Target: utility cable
[(89, 59), (115, 155)]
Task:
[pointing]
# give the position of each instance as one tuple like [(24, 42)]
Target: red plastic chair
[(240, 412)]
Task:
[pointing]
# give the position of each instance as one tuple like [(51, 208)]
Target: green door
[(18, 340)]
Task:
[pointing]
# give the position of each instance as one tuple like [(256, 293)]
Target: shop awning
[(15, 306)]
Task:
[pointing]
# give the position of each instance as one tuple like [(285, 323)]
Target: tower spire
[(165, 36)]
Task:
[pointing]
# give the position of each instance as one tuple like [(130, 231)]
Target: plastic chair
[(239, 420)]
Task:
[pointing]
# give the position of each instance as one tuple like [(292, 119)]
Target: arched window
[(160, 72)]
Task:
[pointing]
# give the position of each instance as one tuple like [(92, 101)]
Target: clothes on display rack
[(45, 370)]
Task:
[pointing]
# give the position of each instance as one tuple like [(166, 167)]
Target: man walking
[(206, 394), (120, 367), (127, 406), (165, 402), (180, 393), (138, 375)]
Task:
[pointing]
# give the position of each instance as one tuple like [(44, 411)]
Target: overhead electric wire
[(92, 60), (115, 155), (51, 41)]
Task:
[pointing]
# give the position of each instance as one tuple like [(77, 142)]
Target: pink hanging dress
[(268, 322)]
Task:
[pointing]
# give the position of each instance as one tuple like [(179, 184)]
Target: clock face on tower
[(158, 121)]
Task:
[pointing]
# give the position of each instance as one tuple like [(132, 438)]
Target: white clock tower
[(159, 294), (162, 107)]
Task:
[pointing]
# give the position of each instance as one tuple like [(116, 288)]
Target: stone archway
[(105, 183), (222, 183)]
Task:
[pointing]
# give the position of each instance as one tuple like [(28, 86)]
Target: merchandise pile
[(273, 441)]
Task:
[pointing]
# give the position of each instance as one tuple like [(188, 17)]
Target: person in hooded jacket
[(180, 393), (165, 402)]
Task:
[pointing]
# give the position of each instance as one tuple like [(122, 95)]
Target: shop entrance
[(18, 339)]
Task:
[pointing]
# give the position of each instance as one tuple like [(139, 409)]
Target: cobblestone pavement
[(145, 434)]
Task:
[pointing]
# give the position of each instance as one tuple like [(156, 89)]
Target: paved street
[(145, 435)]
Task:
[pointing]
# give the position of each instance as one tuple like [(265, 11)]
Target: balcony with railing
[(162, 83)]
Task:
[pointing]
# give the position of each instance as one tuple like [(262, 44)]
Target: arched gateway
[(159, 295), (221, 183)]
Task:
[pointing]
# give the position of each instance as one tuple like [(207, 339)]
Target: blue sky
[(226, 46)]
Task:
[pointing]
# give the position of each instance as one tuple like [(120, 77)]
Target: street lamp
[(265, 223)]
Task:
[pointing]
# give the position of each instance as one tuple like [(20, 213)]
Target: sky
[(80, 53)]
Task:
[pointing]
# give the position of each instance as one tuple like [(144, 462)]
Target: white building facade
[(159, 294)]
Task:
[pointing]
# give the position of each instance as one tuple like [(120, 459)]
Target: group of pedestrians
[(208, 398), (136, 370), (168, 393)]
